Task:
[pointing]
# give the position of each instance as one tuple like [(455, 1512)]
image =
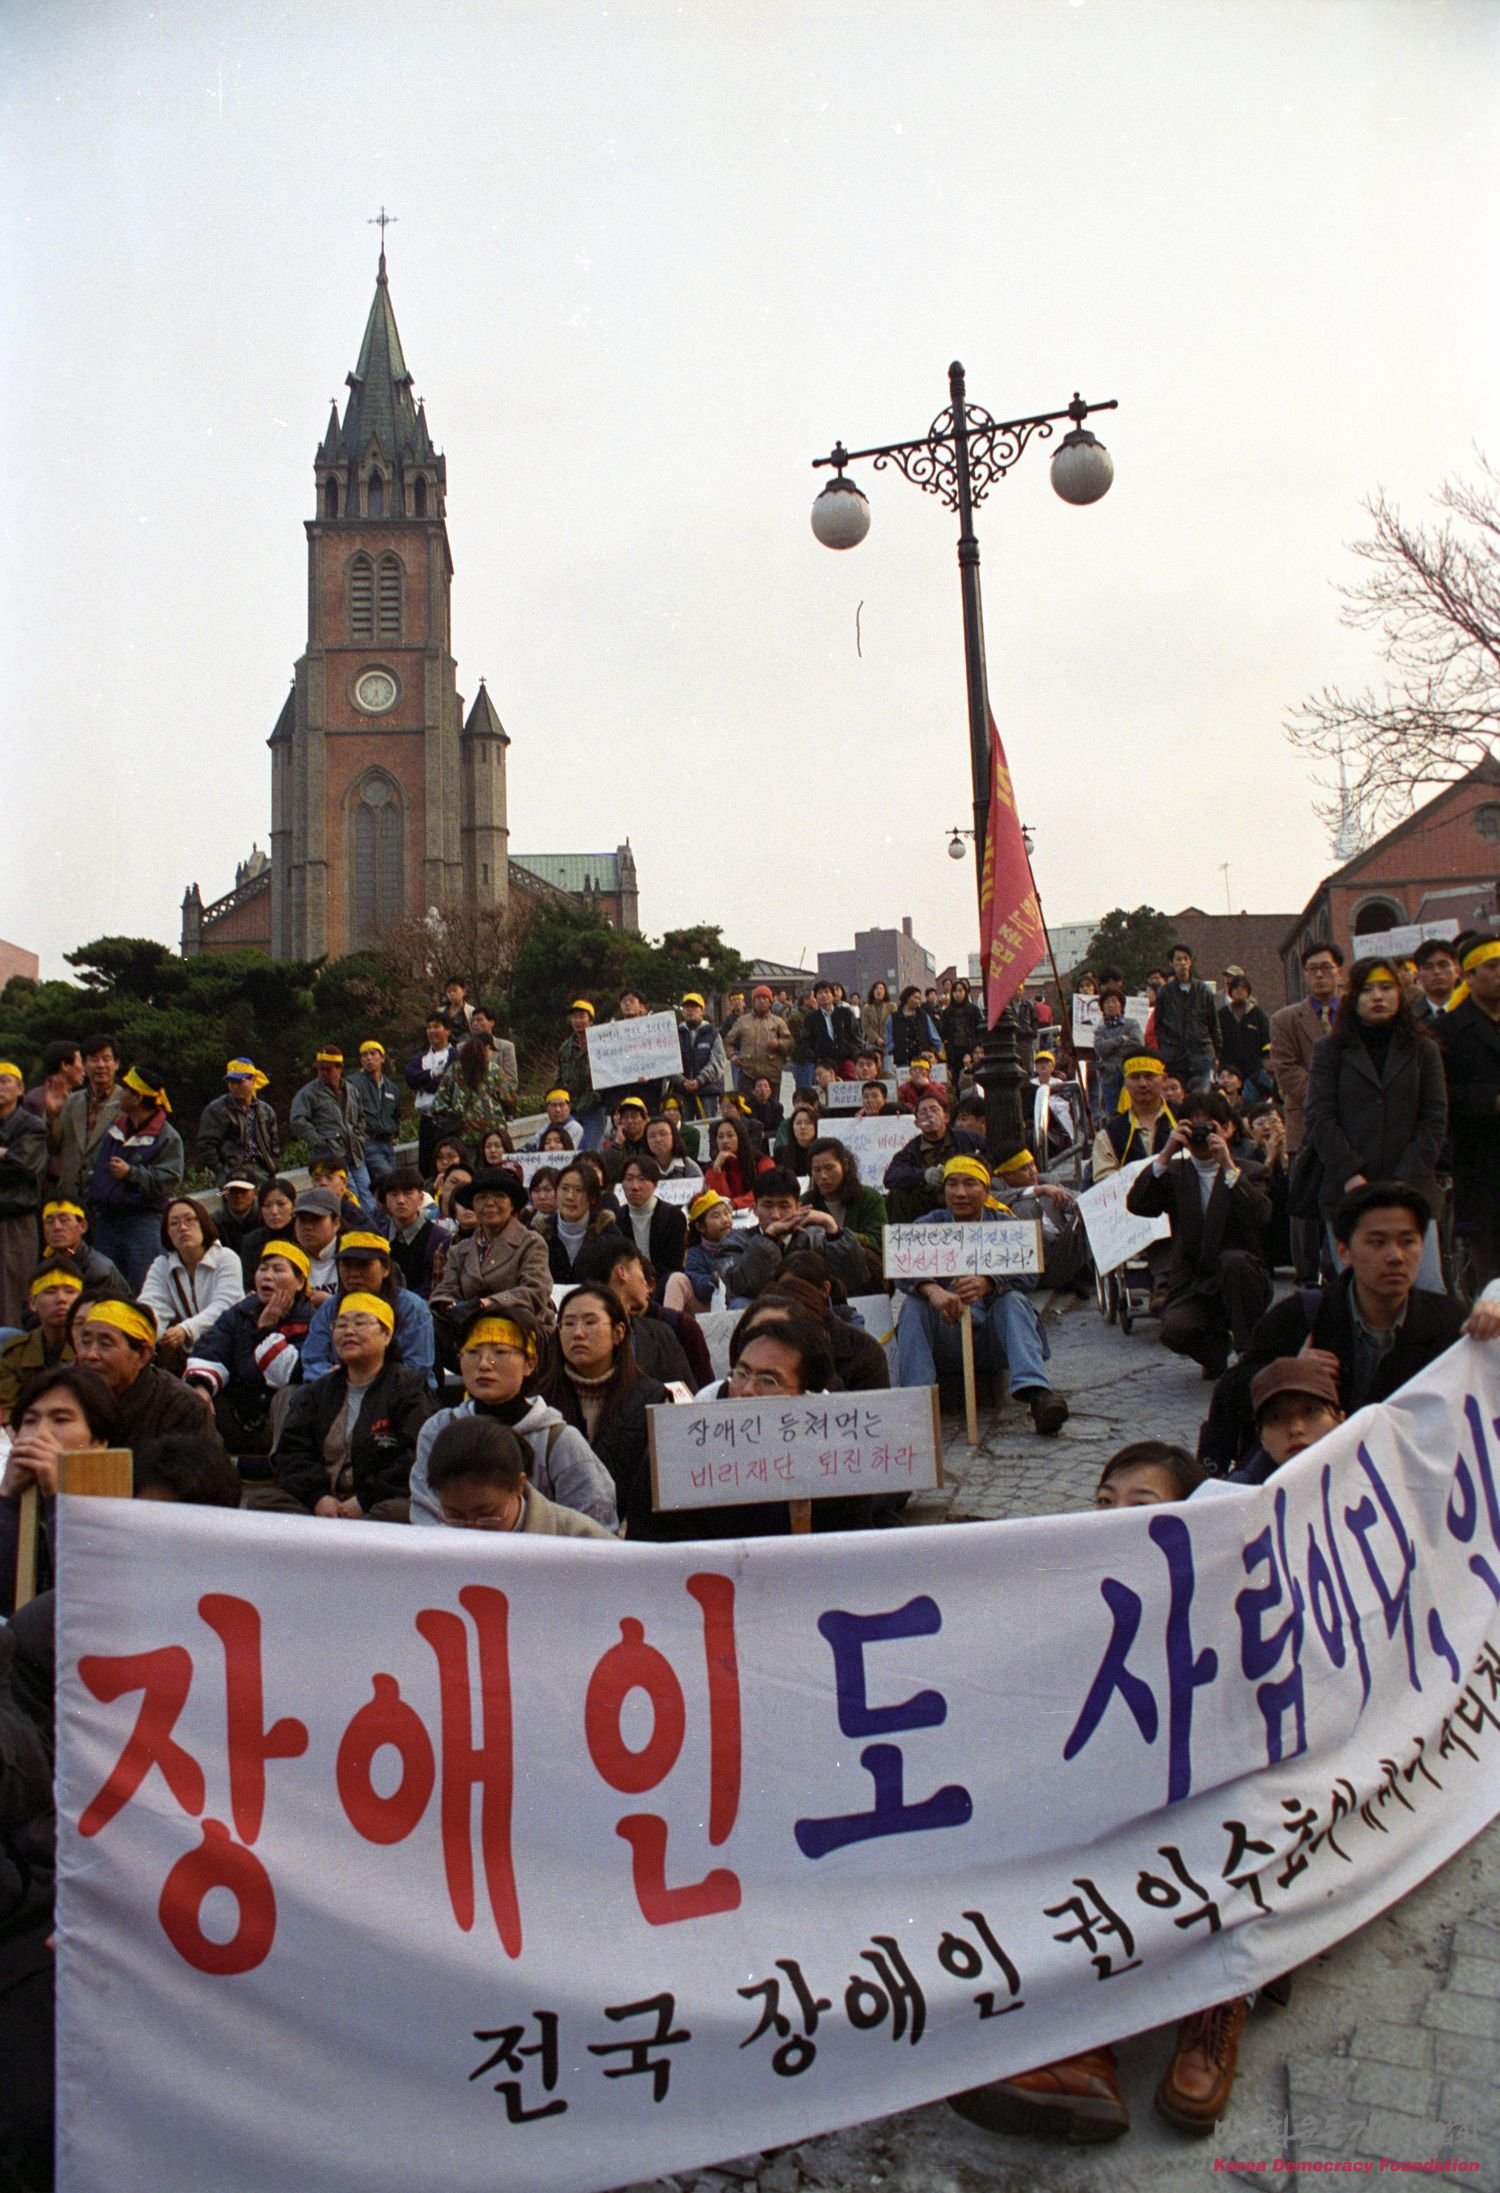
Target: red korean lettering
[(164, 1678), (632, 1665), (385, 1720), (250, 1743), (490, 1764), (219, 1862)]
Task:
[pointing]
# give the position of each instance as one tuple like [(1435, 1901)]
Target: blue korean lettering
[(1395, 1600), (1260, 1653), (1463, 1501), (1356, 1628), (952, 1806)]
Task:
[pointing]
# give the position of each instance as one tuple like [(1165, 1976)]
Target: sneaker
[(1049, 1411)]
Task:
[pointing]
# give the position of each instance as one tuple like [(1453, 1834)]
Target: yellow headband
[(370, 1044), (499, 1332), (126, 1317), (967, 1168), (366, 1305), (245, 1069), (44, 1280), (1018, 1163), (701, 1205), (329, 1057), (75, 1210), (364, 1245), (1140, 1064), (581, 1005), (557, 1096), (134, 1079), (294, 1253), (14, 1071), (1382, 968), (1476, 956)]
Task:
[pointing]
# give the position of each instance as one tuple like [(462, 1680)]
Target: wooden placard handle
[(971, 1395), (801, 1516)]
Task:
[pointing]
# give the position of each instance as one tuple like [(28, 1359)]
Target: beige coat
[(760, 1045), (512, 1270), (76, 1147), (1294, 1031), (546, 1519)]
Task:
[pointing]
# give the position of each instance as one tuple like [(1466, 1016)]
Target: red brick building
[(386, 799), (1440, 864)]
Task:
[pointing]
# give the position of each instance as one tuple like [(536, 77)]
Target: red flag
[(1011, 937)]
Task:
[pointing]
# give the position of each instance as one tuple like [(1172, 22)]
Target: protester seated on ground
[(349, 1436), (802, 1130), (1149, 1473), (559, 1107), (1295, 1402), (909, 1093), (501, 1265), (664, 1142), (499, 1364), (187, 1470), (805, 1284), (836, 1192), (715, 1247), (736, 1161), (784, 1223), (875, 1101), (583, 1235), (1077, 2098), (64, 1230), (657, 1229), (495, 1146), (365, 1266), (914, 1177), (543, 1190), (1008, 1334), (54, 1289), (275, 1206), (192, 1283), (1065, 1246), (765, 1109), (239, 1211), (629, 1139), (1217, 1281), (1374, 1326), (592, 1380), (477, 1473), (419, 1238), (657, 1337), (316, 1218), (254, 1351), (60, 1412), (1047, 1108), (451, 1170), (971, 1116), (117, 1341)]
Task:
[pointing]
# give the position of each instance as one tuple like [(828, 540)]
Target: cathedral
[(386, 799)]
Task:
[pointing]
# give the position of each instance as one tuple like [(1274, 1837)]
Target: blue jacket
[(238, 1355), (154, 1154), (413, 1336)]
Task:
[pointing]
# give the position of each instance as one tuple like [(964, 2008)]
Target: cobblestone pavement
[(1390, 2045)]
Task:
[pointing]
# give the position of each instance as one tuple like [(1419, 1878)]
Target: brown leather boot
[(1195, 2090), (1078, 2098)]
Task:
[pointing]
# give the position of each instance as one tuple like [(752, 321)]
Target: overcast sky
[(650, 260)]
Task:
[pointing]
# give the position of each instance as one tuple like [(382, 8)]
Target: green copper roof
[(380, 407), (484, 722), (573, 871)]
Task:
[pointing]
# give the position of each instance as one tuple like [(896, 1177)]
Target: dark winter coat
[(1385, 1122), (382, 1445)]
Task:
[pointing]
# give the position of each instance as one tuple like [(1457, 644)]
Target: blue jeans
[(593, 1125), (130, 1239), (1008, 1335), (380, 1159)]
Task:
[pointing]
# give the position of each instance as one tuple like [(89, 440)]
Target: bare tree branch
[(1432, 594)]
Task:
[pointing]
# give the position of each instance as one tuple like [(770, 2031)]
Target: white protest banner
[(529, 1162), (294, 1949), (682, 1191), (996, 1248), (1401, 943), (1087, 1015), (874, 1142), (795, 1447), (1115, 1234), (643, 1049), (844, 1096)]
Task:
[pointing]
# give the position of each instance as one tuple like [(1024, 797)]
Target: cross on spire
[(382, 220)]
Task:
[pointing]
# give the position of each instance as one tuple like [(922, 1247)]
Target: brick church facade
[(386, 799)]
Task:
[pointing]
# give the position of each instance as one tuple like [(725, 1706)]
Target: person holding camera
[(1217, 1283)]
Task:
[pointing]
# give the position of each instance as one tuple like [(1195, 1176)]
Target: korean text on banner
[(802, 1447), (583, 1862), (1009, 1248), (1087, 1015), (874, 1142), (1115, 1234), (844, 1096), (643, 1049)]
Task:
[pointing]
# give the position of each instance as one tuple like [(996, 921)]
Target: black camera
[(1199, 1131)]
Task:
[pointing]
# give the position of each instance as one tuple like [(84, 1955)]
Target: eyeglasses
[(758, 1381)]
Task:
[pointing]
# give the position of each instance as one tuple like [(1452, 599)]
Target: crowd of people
[(467, 1337)]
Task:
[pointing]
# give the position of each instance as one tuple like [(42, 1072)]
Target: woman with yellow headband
[(23, 1167), (1469, 1032), (54, 1289), (1377, 1101), (137, 1170), (499, 1363), (253, 1352), (349, 1438)]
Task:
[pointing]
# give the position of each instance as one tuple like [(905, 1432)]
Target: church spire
[(379, 460)]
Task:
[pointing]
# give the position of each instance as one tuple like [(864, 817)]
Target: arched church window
[(331, 499), (377, 861), (361, 598), (388, 597), (375, 495), (419, 497)]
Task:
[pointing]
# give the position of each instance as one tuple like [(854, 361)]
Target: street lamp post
[(958, 459)]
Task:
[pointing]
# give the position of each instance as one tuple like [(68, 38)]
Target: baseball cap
[(317, 1203)]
